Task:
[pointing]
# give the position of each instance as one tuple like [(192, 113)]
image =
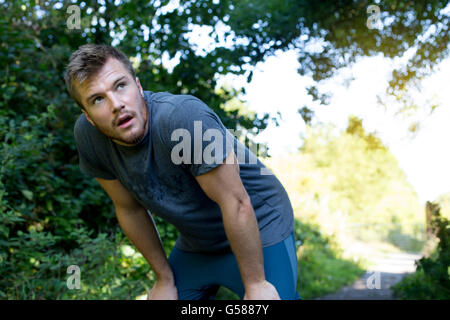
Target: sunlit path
[(389, 267)]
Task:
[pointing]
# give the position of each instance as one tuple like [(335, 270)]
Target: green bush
[(51, 215), (432, 277), (322, 268)]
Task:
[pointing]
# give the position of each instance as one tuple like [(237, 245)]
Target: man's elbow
[(245, 203), (239, 204)]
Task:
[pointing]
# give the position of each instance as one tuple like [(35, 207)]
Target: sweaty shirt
[(182, 142)]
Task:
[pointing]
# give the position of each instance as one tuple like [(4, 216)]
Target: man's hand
[(261, 291), (163, 291)]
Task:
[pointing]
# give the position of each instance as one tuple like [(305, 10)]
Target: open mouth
[(124, 122)]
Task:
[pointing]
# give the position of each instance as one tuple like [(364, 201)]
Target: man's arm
[(140, 229), (224, 186)]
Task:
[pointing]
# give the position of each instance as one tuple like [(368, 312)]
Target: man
[(235, 224)]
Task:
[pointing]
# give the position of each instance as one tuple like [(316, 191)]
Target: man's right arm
[(141, 230)]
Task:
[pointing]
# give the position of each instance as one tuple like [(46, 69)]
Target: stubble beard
[(135, 138)]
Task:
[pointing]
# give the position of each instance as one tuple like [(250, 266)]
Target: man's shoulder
[(81, 126), (172, 101), (170, 108)]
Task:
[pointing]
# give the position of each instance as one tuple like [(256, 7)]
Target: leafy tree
[(444, 204), (329, 35), (364, 170), (351, 185)]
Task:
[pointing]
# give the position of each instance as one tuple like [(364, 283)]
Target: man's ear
[(140, 87), (87, 117)]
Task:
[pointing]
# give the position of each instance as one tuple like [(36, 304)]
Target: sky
[(424, 157)]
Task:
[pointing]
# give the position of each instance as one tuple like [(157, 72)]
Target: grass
[(323, 265)]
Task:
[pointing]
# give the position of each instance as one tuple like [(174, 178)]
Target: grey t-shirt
[(165, 185)]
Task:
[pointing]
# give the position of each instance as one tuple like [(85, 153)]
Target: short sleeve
[(88, 159), (196, 137)]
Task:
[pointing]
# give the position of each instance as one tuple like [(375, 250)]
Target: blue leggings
[(198, 276)]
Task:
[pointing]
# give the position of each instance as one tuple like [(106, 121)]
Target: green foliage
[(349, 189), (444, 203), (432, 278), (34, 267), (331, 35), (52, 215), (362, 179), (322, 267)]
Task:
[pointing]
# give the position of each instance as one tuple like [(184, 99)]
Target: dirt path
[(387, 269)]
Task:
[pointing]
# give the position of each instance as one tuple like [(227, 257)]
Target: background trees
[(50, 211)]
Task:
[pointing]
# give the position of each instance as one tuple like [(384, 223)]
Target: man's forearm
[(242, 231), (140, 229)]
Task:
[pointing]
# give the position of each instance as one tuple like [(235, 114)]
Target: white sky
[(276, 86)]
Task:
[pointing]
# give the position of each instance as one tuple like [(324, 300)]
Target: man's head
[(103, 82)]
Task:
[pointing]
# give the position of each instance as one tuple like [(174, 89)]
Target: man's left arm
[(224, 186)]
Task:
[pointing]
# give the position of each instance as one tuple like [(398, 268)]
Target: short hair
[(87, 61)]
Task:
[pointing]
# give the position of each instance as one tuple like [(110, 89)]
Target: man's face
[(114, 103)]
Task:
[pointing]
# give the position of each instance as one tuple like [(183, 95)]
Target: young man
[(235, 223)]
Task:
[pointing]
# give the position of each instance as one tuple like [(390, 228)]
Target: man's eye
[(121, 85), (96, 99)]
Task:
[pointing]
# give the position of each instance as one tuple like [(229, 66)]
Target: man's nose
[(116, 103)]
